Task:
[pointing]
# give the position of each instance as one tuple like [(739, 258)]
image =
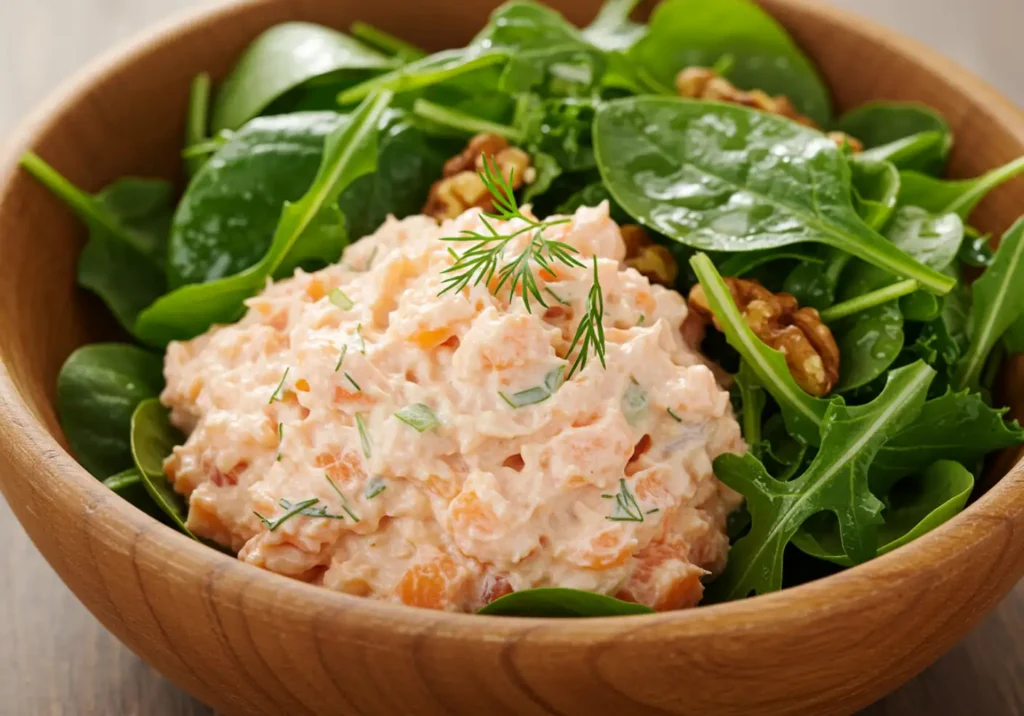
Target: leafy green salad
[(861, 318)]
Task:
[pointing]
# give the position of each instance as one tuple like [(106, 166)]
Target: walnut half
[(652, 260), (461, 187), (705, 83), (798, 333)]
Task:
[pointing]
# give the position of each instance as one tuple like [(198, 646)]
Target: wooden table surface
[(56, 659)]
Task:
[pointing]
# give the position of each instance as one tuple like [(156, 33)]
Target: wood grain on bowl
[(250, 642)]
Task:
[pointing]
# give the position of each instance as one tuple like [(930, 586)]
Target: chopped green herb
[(344, 502), (626, 509), (313, 511), (354, 384), (590, 335), (290, 512), (339, 299), (557, 297), (640, 321), (362, 341), (673, 414), (554, 379), (375, 486), (369, 261), (538, 394), (651, 512), (277, 390), (634, 403), (364, 437), (280, 439), (341, 358), (418, 416)]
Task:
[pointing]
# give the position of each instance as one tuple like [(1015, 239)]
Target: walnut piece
[(652, 260), (798, 333), (705, 83), (461, 187)]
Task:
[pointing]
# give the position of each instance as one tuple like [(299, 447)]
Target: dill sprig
[(483, 261), (590, 334)]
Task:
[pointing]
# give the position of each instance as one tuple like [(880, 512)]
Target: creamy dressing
[(493, 499)]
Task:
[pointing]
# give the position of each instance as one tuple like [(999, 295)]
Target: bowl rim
[(32, 450)]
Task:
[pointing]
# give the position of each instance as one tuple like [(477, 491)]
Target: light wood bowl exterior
[(251, 642)]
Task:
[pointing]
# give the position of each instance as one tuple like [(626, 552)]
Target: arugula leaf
[(612, 29), (98, 388), (998, 303), (803, 413), (955, 426), (723, 177), (351, 152), (555, 602), (283, 58), (685, 33), (836, 481), (153, 438), (752, 404), (959, 196), (122, 262), (916, 505), (910, 135)]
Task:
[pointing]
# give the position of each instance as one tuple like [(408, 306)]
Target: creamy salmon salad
[(437, 433)]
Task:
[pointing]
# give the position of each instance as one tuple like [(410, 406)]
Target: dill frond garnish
[(364, 436), (674, 416), (590, 334), (351, 380), (626, 508), (344, 502), (280, 384), (341, 358)]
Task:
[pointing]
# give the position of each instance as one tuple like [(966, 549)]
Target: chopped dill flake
[(364, 437), (626, 509), (557, 297), (418, 416), (362, 341), (341, 358), (277, 390), (339, 299), (640, 321), (673, 414), (290, 511), (651, 512), (634, 403), (344, 502), (312, 511), (354, 384), (375, 486), (280, 439), (369, 261), (538, 394)]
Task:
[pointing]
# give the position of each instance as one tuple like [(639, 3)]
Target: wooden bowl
[(251, 642)]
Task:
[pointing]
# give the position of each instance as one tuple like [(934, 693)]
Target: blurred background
[(43, 41), (55, 657)]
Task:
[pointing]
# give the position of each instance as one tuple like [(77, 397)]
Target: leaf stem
[(869, 300), (462, 122), (385, 41), (198, 119), (984, 184)]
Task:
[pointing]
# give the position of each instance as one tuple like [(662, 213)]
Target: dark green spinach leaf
[(130, 486), (876, 186), (959, 196), (911, 136), (97, 390), (152, 439), (553, 602)]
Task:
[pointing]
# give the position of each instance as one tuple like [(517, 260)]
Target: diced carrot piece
[(340, 467), (608, 549), (471, 514), (431, 338), (315, 289), (428, 584), (302, 385)]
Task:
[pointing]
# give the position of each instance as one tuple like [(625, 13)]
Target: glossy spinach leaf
[(915, 506), (742, 264), (554, 602), (959, 196), (976, 250), (728, 178), (283, 58), (932, 239), (955, 426), (350, 152), (130, 486), (434, 70), (869, 342), (803, 413), (910, 135), (814, 285), (152, 439), (98, 387), (685, 33), (876, 186), (836, 481), (998, 302), (612, 30), (226, 219), (122, 262)]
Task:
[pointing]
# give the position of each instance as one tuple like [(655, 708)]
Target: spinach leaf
[(728, 178), (917, 505), (612, 29), (122, 262), (960, 196), (911, 136), (876, 186), (433, 70), (556, 602), (955, 426), (998, 303), (283, 58), (836, 481), (975, 250), (97, 390), (152, 439), (386, 42), (350, 152), (743, 263), (226, 219), (130, 486), (685, 33), (932, 239), (803, 413), (1013, 339), (869, 342), (815, 286), (197, 122)]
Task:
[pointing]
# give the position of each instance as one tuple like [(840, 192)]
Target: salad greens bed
[(317, 135)]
